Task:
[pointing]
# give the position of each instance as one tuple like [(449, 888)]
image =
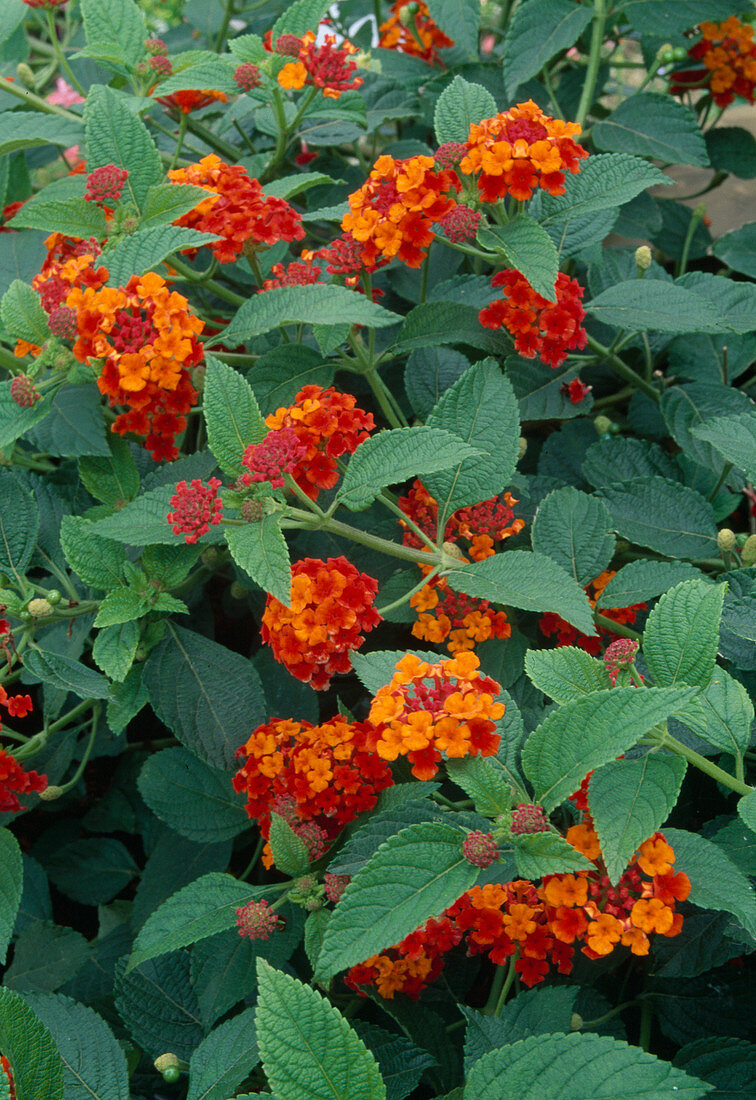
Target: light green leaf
[(539, 854), (414, 875), (115, 135), (26, 129), (681, 637), (215, 73), (641, 580), (629, 800), (535, 33), (604, 181), (460, 20), (573, 1067), (204, 907), (113, 480), (73, 216), (116, 31), (98, 561), (115, 648), (122, 605), (459, 106), (232, 415), (663, 515), (652, 125), (167, 202), (722, 714), (574, 529), (11, 885), (527, 247), (22, 314), (144, 521), (481, 409), (532, 582), (589, 732), (485, 781), (396, 455), (747, 810), (260, 549), (19, 524), (65, 673), (566, 673), (637, 306), (716, 883), (313, 305), (735, 439), (224, 1059), (737, 249), (147, 248), (290, 853), (288, 187), (30, 1050), (299, 17), (192, 798), (308, 1049)]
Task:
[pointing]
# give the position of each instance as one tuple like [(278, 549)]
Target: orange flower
[(651, 915), (728, 53), (415, 34), (328, 66), (520, 150), (655, 856), (603, 933), (566, 890), (187, 101), (585, 840)]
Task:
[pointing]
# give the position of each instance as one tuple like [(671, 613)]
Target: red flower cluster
[(393, 213), (247, 76), (188, 100), (297, 273), (256, 920), (429, 709), (13, 779), (528, 818), (411, 965), (410, 29), (328, 424), (520, 150), (344, 257), (5, 1066), (105, 185), (328, 66), (9, 211), (278, 454), (236, 209), (551, 624), (312, 776), (539, 327), (331, 610), (455, 618), (69, 262), (728, 53), (460, 224), (147, 338), (479, 525), (195, 508)]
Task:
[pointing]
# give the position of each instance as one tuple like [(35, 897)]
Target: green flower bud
[(726, 539), (39, 608), (166, 1061), (54, 597), (643, 258), (602, 424), (749, 550)]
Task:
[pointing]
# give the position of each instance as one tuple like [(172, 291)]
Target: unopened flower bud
[(522, 448), (39, 608), (49, 794), (749, 550), (166, 1061), (620, 654), (252, 511), (256, 920), (529, 818), (209, 557), (602, 424), (576, 1021), (408, 13), (480, 849), (643, 258), (453, 551), (726, 539), (24, 74), (247, 76), (23, 391), (335, 885)]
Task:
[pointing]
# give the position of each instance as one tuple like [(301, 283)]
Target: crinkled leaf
[(114, 135), (260, 549), (115, 648), (22, 314), (158, 1005), (11, 886), (681, 637), (147, 248), (663, 515), (642, 580), (459, 106), (224, 1059), (651, 125), (30, 1050), (116, 31), (535, 33), (574, 530), (734, 437), (716, 883), (721, 714), (91, 870), (232, 415), (637, 306), (97, 560), (45, 957), (65, 673), (540, 854), (604, 181), (565, 673), (316, 304), (25, 129), (528, 248), (290, 853), (460, 20)]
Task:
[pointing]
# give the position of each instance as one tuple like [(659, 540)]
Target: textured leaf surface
[(28, 1046), (147, 248), (651, 125), (629, 800), (734, 437), (308, 1049), (224, 1059), (728, 1064), (73, 216), (537, 32), (527, 247), (637, 306), (115, 648), (11, 886), (290, 853), (158, 1005), (315, 305), (414, 875), (116, 136), (75, 425), (565, 673), (192, 798), (538, 1011), (45, 957), (92, 870), (25, 129), (19, 524), (663, 515), (459, 106), (604, 181), (66, 674), (573, 529), (117, 31), (681, 636), (98, 561), (738, 249), (589, 732), (639, 581), (485, 781), (260, 549), (673, 16), (22, 314), (460, 20), (722, 714), (716, 882), (547, 854), (232, 415)]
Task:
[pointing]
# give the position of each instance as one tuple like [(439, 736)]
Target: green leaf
[(589, 732), (224, 1059), (93, 870), (681, 637), (167, 202), (117, 31), (732, 149), (535, 33), (573, 529), (734, 302), (290, 853), (193, 799), (45, 957), (532, 582), (204, 907), (22, 314), (673, 16), (25, 129), (652, 125), (397, 454), (15, 420), (314, 933), (183, 676), (280, 373), (75, 425), (215, 73), (722, 714), (28, 1046), (734, 437), (573, 1067), (737, 249), (19, 524), (65, 673), (533, 1012), (604, 181), (73, 216), (727, 1063), (664, 516), (716, 883), (144, 521), (115, 135), (232, 415), (158, 1006), (527, 247), (260, 549), (442, 322), (566, 673), (485, 781), (115, 648), (147, 248), (94, 1066), (98, 561), (629, 800), (113, 480), (290, 186), (308, 1049), (459, 106), (11, 886), (313, 305), (688, 408), (540, 854), (641, 580), (415, 875), (747, 810), (619, 458), (299, 17), (460, 20), (122, 605), (481, 409), (638, 306)]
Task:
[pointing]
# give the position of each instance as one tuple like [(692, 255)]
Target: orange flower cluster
[(410, 29), (188, 100), (69, 262), (13, 779), (429, 709), (328, 424), (297, 273), (411, 965), (519, 150), (393, 213), (328, 66), (237, 209), (479, 525), (455, 618), (539, 327), (331, 610), (311, 775), (551, 624), (728, 52), (147, 337)]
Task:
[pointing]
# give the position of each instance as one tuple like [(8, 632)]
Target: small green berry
[(172, 1075), (54, 597)]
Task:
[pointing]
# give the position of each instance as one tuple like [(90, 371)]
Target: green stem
[(301, 495), (424, 276), (589, 1025), (87, 753), (378, 387), (667, 741), (59, 52), (230, 8), (282, 134), (722, 478), (621, 369), (209, 284), (38, 742), (594, 61), (408, 595), (698, 214), (41, 104), (387, 502), (504, 992), (373, 542), (180, 142), (212, 139), (646, 1019), (616, 628), (253, 862)]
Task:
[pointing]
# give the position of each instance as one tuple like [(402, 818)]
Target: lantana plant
[(377, 549)]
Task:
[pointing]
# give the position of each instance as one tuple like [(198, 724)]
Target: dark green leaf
[(663, 515), (196, 800), (232, 415), (535, 33), (652, 125), (30, 1050)]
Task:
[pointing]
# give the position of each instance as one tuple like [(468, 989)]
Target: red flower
[(187, 101), (105, 185), (411, 30), (195, 508), (277, 454), (13, 779), (328, 66), (539, 327)]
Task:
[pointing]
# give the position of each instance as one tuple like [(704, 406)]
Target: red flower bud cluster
[(256, 920), (195, 508), (23, 391), (247, 76), (528, 818), (105, 185), (278, 454), (13, 779)]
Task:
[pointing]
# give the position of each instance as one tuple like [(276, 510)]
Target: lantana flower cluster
[(410, 29), (329, 65), (728, 53), (547, 329), (427, 709), (195, 508), (236, 209), (69, 262), (552, 625), (13, 779), (330, 611), (188, 99)]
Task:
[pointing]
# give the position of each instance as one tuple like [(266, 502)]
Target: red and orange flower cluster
[(410, 29), (539, 327), (236, 209), (148, 339), (328, 66), (552, 625), (330, 612), (520, 150), (318, 778), (728, 52), (69, 262), (189, 99), (428, 709), (13, 779), (411, 965), (4, 1063), (394, 212)]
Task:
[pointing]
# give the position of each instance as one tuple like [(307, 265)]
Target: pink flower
[(64, 95)]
